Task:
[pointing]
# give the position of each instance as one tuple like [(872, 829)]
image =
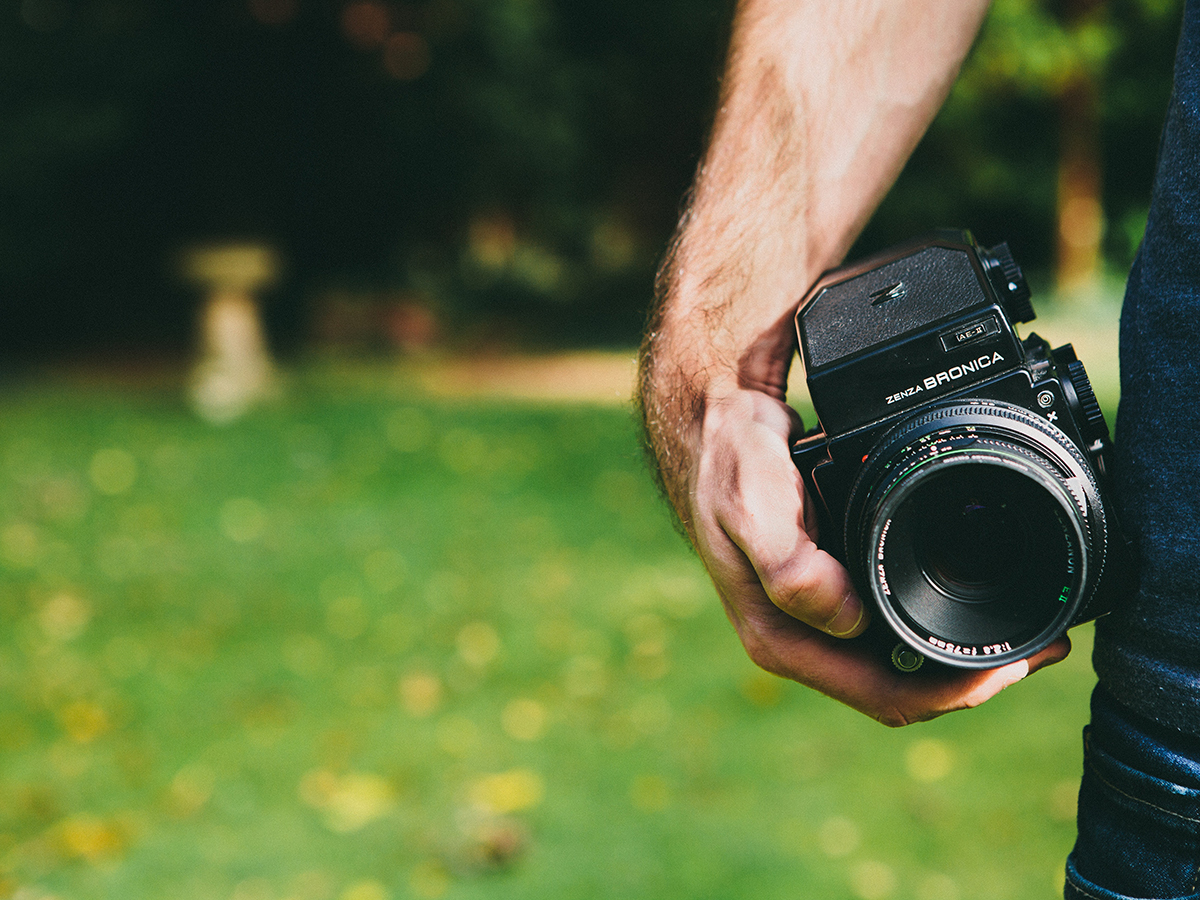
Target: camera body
[(959, 472)]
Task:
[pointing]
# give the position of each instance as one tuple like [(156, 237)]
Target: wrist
[(691, 380)]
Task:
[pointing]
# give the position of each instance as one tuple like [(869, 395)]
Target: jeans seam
[(1139, 800), (1076, 886), (1085, 892), (1194, 884)]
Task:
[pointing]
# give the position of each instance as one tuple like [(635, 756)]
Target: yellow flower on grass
[(365, 890), (83, 721), (349, 801), (90, 838), (509, 792)]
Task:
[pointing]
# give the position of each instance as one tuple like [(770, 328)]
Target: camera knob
[(1093, 425), (1009, 281)]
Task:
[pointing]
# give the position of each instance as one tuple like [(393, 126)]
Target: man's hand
[(792, 604), (823, 103)]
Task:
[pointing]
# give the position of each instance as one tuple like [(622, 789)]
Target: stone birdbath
[(234, 371)]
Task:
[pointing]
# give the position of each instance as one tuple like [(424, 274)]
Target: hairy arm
[(822, 104)]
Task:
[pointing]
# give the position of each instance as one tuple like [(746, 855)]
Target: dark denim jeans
[(1139, 807)]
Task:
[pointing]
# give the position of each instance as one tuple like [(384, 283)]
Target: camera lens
[(978, 528), (970, 538)]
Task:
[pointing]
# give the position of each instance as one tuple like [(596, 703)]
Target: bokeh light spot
[(585, 676), (83, 721), (385, 570), (346, 617), (613, 245), (113, 470), (349, 801), (191, 788), (463, 451), (478, 644), (406, 56), (420, 693), (91, 838), (273, 12), (1064, 798), (492, 240), (253, 888), (306, 655), (524, 719), (929, 760), (761, 688), (20, 545), (65, 499), (508, 792), (315, 884), (366, 23), (838, 837), (650, 793), (937, 886), (64, 617), (369, 889), (873, 880), (429, 880)]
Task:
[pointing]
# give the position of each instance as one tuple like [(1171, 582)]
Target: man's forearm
[(822, 104)]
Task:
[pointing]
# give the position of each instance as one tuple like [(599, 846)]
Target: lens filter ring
[(979, 533)]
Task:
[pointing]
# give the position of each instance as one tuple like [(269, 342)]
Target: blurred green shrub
[(513, 166)]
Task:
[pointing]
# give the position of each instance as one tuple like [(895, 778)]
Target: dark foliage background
[(514, 167)]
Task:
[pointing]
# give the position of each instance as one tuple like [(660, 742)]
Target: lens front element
[(971, 532), (978, 533)]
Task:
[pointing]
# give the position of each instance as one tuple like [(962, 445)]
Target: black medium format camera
[(958, 471)]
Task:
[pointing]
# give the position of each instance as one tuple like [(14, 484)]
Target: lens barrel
[(980, 531)]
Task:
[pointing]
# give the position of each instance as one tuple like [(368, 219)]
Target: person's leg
[(1148, 650), (1139, 807)]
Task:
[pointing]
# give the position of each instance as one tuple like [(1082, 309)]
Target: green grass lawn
[(365, 645)]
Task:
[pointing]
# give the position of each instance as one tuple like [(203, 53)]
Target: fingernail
[(1020, 669), (848, 617)]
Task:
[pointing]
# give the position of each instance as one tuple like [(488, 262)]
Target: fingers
[(1055, 653), (792, 604), (860, 678), (812, 586), (752, 513)]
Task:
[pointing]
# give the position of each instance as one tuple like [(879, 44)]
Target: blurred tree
[(513, 166), (514, 159), (1050, 134)]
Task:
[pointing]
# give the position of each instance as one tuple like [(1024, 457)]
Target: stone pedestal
[(234, 371)]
